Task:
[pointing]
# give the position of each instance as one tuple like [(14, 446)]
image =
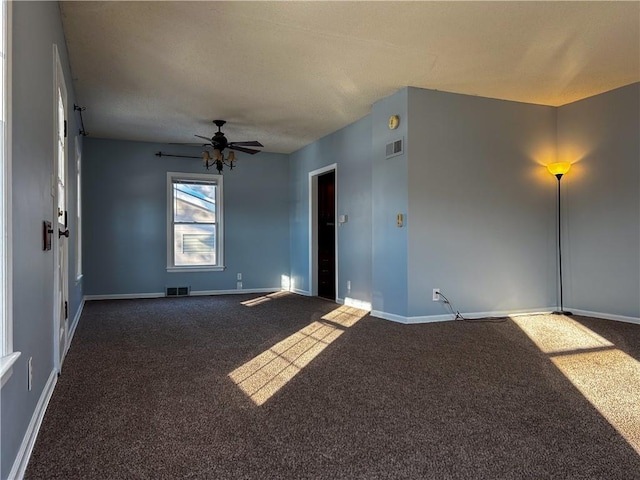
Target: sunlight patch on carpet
[(261, 377), (607, 377), (265, 298), (610, 380), (558, 333)]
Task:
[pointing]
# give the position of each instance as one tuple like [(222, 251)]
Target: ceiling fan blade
[(247, 144), (250, 151), (206, 138), (200, 144)]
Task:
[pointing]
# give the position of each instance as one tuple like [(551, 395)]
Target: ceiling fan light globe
[(218, 143)]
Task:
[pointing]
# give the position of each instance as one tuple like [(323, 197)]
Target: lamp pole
[(558, 170)]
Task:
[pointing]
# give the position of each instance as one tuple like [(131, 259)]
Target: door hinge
[(66, 310), (65, 129)]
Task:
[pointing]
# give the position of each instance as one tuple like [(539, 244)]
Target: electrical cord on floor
[(458, 315), (455, 313)]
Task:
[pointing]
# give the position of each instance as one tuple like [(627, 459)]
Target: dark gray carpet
[(145, 394)]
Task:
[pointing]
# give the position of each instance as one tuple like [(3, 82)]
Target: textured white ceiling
[(288, 73)]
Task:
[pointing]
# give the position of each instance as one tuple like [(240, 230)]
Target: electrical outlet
[(30, 374), (239, 285), (239, 276), (436, 295)]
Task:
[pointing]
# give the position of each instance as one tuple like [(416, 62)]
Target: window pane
[(194, 227), (198, 242), (5, 261), (194, 202), (62, 203), (78, 210), (194, 244)]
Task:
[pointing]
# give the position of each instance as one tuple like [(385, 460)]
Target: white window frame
[(7, 355), (204, 178)]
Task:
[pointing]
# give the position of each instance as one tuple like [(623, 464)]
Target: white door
[(61, 233)]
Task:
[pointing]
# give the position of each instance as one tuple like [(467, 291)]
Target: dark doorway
[(327, 235)]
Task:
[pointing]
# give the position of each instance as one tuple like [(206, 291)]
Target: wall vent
[(394, 149), (178, 291)]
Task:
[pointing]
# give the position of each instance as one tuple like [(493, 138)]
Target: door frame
[(313, 227), (60, 324)]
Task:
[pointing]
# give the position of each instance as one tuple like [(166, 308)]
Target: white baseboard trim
[(29, 440), (193, 293), (408, 320), (605, 316), (123, 296), (449, 317), (355, 303), (234, 292), (306, 293), (508, 313), (74, 325)]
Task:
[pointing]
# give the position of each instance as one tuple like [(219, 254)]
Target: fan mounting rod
[(219, 123)]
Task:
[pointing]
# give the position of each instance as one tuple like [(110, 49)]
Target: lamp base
[(562, 312)]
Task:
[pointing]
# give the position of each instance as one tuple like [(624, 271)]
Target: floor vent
[(178, 291), (394, 148)]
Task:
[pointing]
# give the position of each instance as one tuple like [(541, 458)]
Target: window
[(195, 234), (78, 211), (7, 355)]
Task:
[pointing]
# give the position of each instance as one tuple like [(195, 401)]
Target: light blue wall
[(36, 27), (125, 232), (389, 198), (350, 149), (481, 206), (600, 136)]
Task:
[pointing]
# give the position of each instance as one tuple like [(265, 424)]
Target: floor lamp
[(558, 170)]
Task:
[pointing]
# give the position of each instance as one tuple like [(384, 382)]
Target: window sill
[(6, 363), (195, 269)]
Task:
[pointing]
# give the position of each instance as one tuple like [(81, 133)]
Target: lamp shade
[(558, 168)]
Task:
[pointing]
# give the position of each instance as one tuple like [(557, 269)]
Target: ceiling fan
[(218, 143)]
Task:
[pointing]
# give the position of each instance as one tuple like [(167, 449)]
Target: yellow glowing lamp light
[(558, 168)]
